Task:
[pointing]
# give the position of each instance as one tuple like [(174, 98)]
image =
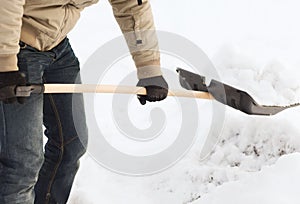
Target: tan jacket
[(44, 23)]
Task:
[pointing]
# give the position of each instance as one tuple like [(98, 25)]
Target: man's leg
[(64, 146), (21, 143)]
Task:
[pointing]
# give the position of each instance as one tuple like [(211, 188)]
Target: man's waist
[(41, 41)]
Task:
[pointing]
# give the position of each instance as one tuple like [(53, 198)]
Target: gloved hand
[(156, 87), (8, 83)]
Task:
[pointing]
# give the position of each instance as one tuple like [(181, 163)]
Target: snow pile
[(276, 184), (271, 81)]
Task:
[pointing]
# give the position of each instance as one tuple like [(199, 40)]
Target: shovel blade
[(227, 95)]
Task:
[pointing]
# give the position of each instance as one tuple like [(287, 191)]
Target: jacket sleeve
[(137, 25), (11, 12)]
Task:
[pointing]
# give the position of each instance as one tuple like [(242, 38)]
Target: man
[(34, 50)]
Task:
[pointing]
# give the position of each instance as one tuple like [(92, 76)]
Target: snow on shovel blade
[(227, 95)]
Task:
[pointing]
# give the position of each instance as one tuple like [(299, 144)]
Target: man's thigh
[(21, 143), (59, 109)]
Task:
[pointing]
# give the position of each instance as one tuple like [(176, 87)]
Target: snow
[(276, 184), (254, 45)]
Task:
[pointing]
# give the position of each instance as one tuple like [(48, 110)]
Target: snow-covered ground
[(255, 46), (274, 184)]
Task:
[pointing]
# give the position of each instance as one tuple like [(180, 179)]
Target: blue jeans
[(28, 173)]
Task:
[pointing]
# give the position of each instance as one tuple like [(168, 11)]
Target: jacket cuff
[(148, 69), (8, 63)]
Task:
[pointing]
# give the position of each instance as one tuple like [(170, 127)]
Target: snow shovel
[(194, 83), (228, 95)]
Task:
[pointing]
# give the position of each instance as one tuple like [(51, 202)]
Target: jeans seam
[(55, 144), (3, 142), (60, 132), (70, 140), (65, 142)]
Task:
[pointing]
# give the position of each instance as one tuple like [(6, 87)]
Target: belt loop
[(22, 45)]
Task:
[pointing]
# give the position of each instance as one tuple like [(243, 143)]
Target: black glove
[(8, 83), (156, 87)]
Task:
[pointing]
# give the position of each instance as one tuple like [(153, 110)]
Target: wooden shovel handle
[(92, 88)]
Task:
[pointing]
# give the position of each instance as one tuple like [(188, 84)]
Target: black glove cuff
[(153, 81)]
